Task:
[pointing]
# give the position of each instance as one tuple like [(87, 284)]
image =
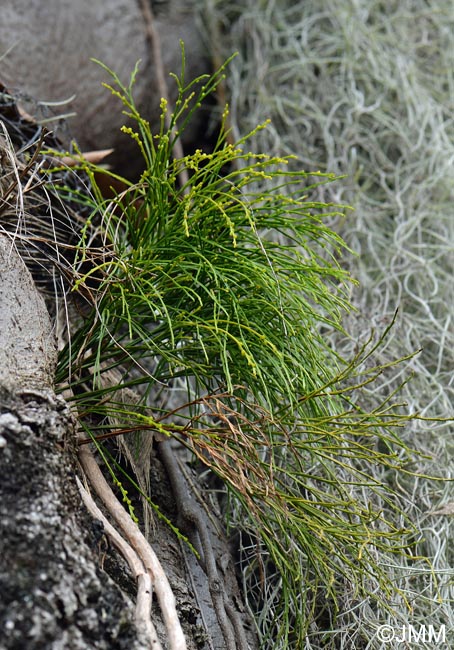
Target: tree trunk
[(53, 591)]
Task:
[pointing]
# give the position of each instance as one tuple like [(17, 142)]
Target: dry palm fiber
[(45, 229)]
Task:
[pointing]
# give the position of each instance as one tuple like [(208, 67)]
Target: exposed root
[(141, 548), (193, 520), (144, 624)]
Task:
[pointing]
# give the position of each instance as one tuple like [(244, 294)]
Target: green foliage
[(187, 279)]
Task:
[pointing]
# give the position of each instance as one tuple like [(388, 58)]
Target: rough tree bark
[(53, 593)]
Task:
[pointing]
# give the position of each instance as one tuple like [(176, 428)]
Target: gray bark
[(27, 346), (53, 594)]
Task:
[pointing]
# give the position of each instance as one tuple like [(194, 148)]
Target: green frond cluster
[(188, 280)]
